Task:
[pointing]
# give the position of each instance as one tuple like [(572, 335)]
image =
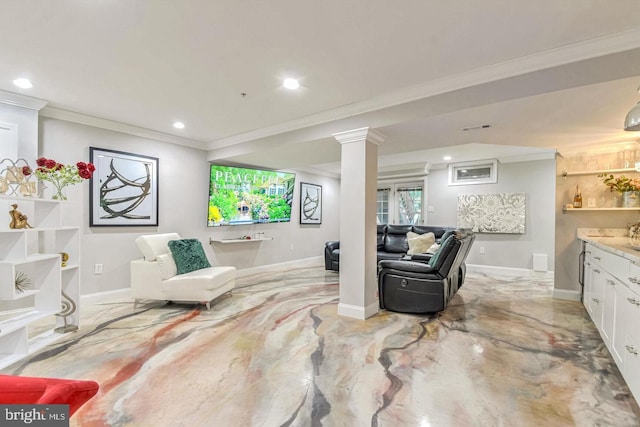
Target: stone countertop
[(614, 240)]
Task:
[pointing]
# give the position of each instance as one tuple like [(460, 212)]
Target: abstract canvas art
[(310, 203), (492, 213), (123, 190)]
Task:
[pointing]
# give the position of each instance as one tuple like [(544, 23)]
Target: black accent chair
[(425, 284)]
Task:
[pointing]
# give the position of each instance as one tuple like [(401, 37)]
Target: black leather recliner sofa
[(425, 284), (391, 240)]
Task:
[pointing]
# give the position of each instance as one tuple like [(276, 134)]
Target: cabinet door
[(588, 282), (631, 371), (595, 298), (623, 316), (609, 289)]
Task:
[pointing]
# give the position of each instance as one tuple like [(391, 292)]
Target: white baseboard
[(116, 295), (508, 271), (567, 294), (356, 311), (316, 261)]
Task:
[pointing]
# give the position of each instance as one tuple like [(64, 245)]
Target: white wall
[(27, 122), (183, 189), (537, 180)]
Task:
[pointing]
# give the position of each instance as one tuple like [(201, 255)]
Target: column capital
[(362, 134)]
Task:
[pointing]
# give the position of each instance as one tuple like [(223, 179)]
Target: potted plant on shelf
[(628, 187)]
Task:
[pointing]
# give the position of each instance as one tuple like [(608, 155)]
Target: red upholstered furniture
[(33, 390)]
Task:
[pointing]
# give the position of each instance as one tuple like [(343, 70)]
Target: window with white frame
[(479, 172), (400, 204)]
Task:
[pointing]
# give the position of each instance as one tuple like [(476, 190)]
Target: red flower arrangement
[(60, 175)]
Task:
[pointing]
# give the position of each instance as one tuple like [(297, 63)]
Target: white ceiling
[(545, 74)]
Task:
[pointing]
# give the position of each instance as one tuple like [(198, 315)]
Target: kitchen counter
[(614, 240)]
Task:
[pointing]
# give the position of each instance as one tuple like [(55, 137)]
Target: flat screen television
[(249, 196)]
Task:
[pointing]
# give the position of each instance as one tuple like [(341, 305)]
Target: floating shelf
[(239, 240), (597, 172), (564, 209)]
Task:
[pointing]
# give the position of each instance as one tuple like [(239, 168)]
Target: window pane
[(383, 206), (410, 202)]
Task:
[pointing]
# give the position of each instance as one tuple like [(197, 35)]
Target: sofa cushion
[(380, 236), (443, 250), (153, 245), (396, 239), (419, 243), (188, 255), (167, 265)]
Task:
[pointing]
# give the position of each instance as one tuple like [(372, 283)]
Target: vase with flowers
[(628, 187), (61, 175)]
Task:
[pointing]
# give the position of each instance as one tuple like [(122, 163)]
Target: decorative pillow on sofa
[(188, 255), (433, 248), (419, 243), (167, 265)]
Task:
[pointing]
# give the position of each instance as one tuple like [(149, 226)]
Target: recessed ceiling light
[(290, 83), (446, 158), (178, 125), (23, 83)]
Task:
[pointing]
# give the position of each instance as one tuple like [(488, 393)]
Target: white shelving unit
[(28, 318)]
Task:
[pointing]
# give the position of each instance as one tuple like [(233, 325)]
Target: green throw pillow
[(188, 255)]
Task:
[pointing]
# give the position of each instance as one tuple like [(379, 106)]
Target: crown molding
[(319, 172), (357, 135), (85, 119), (545, 155), (22, 100), (564, 55)]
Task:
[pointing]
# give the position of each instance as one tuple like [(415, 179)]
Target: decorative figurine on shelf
[(22, 281), (65, 257), (16, 179), (68, 308), (18, 219)]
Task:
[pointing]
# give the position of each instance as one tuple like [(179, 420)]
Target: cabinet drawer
[(613, 264)]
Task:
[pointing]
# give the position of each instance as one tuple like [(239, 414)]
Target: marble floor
[(275, 353)]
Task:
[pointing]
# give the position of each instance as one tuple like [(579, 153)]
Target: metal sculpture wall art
[(124, 189)]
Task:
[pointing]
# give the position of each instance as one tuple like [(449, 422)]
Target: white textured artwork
[(492, 213)]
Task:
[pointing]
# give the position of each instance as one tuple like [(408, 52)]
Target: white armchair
[(155, 276)]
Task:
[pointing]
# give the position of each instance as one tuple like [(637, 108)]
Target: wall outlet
[(97, 269), (482, 250)]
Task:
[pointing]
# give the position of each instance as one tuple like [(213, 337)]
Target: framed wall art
[(493, 213), (310, 203), (123, 189)]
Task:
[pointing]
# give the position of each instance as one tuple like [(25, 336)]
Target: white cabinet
[(612, 299), (28, 317)]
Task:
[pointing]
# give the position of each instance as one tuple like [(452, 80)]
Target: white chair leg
[(135, 303), (208, 304)]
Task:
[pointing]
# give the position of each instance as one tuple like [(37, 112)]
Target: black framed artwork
[(310, 203), (123, 189)]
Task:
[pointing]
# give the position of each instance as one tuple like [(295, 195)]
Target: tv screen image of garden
[(249, 196)]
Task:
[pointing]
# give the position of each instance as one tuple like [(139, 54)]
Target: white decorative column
[(358, 191)]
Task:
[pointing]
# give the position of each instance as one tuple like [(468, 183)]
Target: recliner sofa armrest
[(408, 266), (332, 244), (421, 257)]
